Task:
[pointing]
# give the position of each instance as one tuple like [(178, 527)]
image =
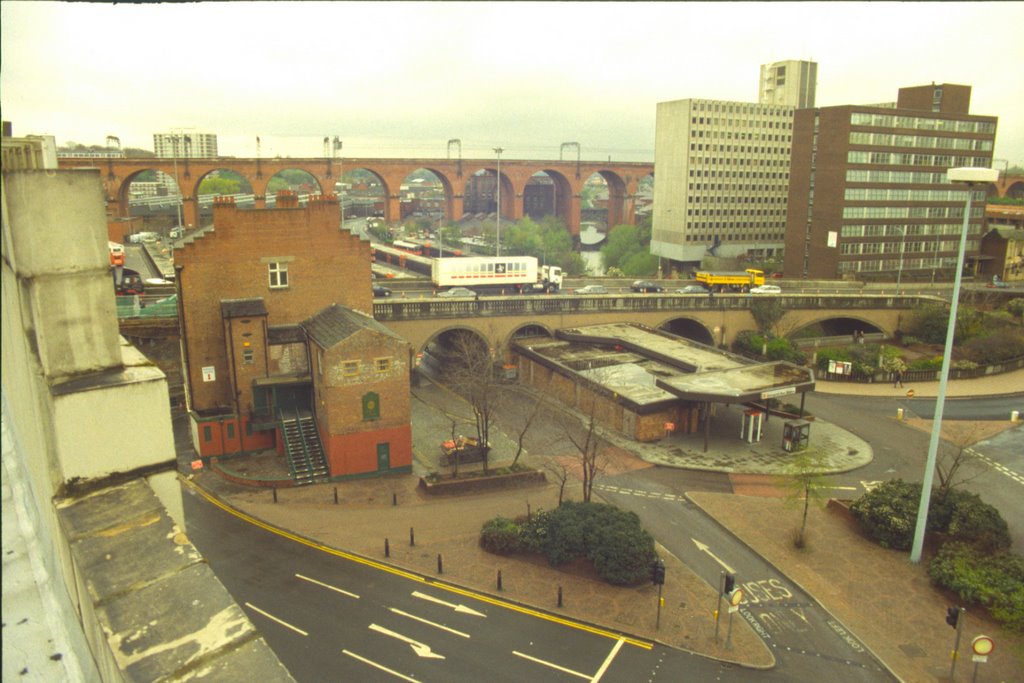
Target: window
[(350, 368), (382, 364), (278, 273), (247, 355), (231, 430), (207, 433)]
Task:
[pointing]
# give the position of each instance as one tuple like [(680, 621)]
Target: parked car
[(692, 289), (646, 287), (766, 289), (379, 291), (592, 289), (456, 292)]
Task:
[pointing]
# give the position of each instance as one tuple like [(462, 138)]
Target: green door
[(383, 457)]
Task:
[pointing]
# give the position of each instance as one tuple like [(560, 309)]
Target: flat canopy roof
[(646, 367)]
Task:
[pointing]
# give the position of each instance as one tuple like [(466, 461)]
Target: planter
[(473, 484)]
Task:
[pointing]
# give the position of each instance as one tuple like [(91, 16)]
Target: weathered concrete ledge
[(477, 484)]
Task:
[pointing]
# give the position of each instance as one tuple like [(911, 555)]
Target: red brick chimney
[(286, 199)]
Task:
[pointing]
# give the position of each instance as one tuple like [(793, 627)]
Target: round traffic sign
[(982, 645), (910, 393), (736, 597)]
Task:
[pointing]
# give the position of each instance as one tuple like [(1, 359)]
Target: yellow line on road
[(482, 597)]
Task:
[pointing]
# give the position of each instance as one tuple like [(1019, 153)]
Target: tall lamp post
[(497, 232), (336, 147), (969, 177), (177, 180)]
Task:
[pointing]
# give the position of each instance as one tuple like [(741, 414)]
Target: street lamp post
[(338, 144), (497, 232), (177, 180), (969, 177)]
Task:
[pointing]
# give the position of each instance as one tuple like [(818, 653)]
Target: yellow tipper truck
[(731, 281)]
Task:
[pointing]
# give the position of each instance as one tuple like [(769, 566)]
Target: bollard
[(499, 579), (412, 537), (387, 548), (559, 596), (335, 495), (440, 564), (1014, 416), (275, 493), (528, 511), (394, 499), (899, 413)]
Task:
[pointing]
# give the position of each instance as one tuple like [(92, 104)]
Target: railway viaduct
[(568, 178)]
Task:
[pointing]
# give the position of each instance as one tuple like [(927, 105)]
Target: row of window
[(734, 187), (740, 161), (716, 173), (707, 237), (740, 135), (920, 123), (898, 230), (918, 247), (892, 140), (766, 213), (747, 108), (876, 265), (745, 199), (909, 211), (739, 149), (904, 159), (856, 175), (895, 195), (351, 368)]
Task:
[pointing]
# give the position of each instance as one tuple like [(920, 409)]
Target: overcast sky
[(401, 79)]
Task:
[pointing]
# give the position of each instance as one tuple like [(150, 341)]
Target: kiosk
[(795, 435)]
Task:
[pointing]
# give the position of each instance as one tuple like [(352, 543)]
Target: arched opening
[(154, 202), (363, 196), (447, 351), (222, 182), (689, 329)]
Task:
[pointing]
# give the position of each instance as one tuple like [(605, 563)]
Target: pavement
[(888, 604)]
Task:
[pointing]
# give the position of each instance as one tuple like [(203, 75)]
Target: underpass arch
[(839, 326), (690, 328)]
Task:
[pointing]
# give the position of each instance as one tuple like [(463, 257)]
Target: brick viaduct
[(568, 177)]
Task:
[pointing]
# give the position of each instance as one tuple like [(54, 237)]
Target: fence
[(882, 376)]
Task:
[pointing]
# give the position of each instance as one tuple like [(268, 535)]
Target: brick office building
[(868, 192), (280, 349)]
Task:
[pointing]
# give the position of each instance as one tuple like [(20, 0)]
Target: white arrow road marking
[(551, 665), (429, 623), (705, 549), (458, 608), (254, 608), (325, 585), (375, 665), (417, 647)]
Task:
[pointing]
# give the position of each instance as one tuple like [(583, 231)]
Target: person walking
[(897, 382)]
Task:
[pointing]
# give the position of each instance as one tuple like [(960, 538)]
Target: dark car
[(646, 287), (379, 291)]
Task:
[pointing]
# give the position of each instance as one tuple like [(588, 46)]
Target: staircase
[(306, 461)]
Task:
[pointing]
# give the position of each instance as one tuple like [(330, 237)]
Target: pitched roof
[(337, 323)]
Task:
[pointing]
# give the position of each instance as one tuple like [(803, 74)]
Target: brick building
[(280, 347)]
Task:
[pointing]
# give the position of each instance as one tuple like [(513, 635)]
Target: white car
[(766, 289)]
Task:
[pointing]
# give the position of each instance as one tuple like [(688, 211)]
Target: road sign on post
[(953, 618)]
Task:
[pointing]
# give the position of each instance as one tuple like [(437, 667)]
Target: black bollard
[(275, 494), (559, 596), (387, 548), (499, 579), (335, 495), (440, 564), (412, 537), (394, 499), (527, 512)]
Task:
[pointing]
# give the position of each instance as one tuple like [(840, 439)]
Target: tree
[(588, 449), (471, 373), (537, 403), (956, 464), (805, 482), (217, 185), (767, 313)]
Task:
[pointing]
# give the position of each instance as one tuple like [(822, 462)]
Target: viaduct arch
[(623, 179)]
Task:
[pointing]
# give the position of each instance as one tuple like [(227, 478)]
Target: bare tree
[(588, 448), (471, 374), (539, 401), (561, 474), (805, 482), (957, 463)]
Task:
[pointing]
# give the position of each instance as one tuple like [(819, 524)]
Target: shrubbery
[(612, 539), (888, 513), (994, 580), (996, 347)]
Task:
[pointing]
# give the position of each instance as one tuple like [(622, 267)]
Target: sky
[(397, 79)]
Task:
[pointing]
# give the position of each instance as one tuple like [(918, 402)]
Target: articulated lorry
[(496, 274), (731, 281)]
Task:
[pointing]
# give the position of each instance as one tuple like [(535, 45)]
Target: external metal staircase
[(306, 461)]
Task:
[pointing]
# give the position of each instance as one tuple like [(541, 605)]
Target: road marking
[(333, 588), (871, 485), (440, 585), (381, 667), (843, 488), (462, 609), (639, 492), (428, 623), (607, 661), (280, 621), (999, 467), (705, 549), (419, 648), (551, 665)]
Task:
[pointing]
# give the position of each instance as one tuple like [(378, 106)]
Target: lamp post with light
[(969, 177), (497, 231)]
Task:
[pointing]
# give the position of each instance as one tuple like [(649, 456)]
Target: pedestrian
[(897, 380), (711, 292)]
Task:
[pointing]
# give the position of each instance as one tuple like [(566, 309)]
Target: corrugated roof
[(241, 308), (337, 323)]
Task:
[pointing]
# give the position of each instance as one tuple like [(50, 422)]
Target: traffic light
[(730, 584), (658, 572), (952, 616)]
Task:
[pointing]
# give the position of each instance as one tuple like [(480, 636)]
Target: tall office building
[(722, 172), (868, 189), (185, 143), (792, 83)]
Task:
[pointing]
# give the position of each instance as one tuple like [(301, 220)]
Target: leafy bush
[(994, 580), (500, 536), (929, 323), (1016, 308), (996, 347), (925, 364), (780, 349), (749, 343), (888, 513), (612, 539), (967, 518)]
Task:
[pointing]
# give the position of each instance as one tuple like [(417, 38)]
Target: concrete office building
[(723, 172), (185, 143), (869, 196), (792, 83)]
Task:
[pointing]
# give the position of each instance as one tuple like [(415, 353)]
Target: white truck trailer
[(496, 274)]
